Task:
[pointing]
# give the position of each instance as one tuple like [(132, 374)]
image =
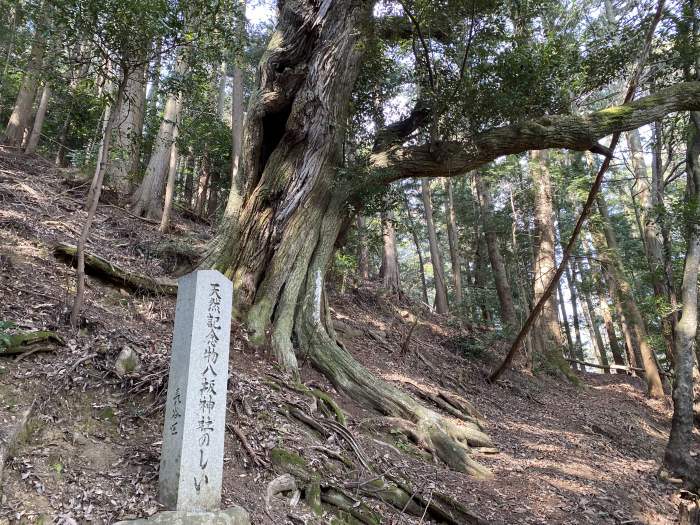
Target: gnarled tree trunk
[(295, 204)]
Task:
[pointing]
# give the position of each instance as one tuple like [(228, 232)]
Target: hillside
[(90, 449)]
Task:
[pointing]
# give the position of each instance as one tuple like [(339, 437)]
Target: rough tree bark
[(500, 277), (615, 349), (170, 184), (126, 143), (435, 256), (578, 348), (545, 262), (278, 250)]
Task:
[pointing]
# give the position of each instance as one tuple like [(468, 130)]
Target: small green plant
[(5, 337)]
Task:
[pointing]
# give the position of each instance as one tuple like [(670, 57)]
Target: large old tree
[(290, 199)]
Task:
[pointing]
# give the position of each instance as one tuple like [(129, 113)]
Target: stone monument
[(191, 463)]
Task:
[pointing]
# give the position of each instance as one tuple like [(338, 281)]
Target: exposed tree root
[(102, 268), (389, 489), (21, 343), (326, 403)]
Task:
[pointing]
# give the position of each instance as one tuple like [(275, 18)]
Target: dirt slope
[(566, 454)]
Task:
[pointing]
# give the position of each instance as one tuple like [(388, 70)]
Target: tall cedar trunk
[(147, 200), (544, 261), (235, 197), (677, 455), (650, 208), (362, 249), (453, 239), (39, 120), (172, 172), (123, 157), (435, 256), (294, 207), (505, 296), (22, 112), (187, 171), (419, 250), (632, 316), (389, 270), (592, 320), (480, 273)]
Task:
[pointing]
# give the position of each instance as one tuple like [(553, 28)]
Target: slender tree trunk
[(565, 322), (213, 197), (202, 185), (147, 201), (389, 271), (39, 120), (632, 316), (22, 112), (592, 320), (578, 348), (435, 257), (677, 456), (419, 250), (170, 184), (453, 239), (93, 199), (362, 249), (615, 348), (505, 296), (235, 198), (545, 262), (650, 209), (190, 169)]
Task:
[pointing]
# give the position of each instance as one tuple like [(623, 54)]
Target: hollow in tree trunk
[(296, 203)]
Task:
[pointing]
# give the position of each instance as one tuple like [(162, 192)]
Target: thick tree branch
[(446, 159)]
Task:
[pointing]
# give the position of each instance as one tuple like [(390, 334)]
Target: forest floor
[(566, 454)]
